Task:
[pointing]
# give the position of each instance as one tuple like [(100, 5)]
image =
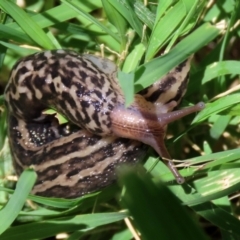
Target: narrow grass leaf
[(126, 81), (219, 181), (126, 9), (190, 12), (218, 194), (7, 32), (123, 235), (164, 28), (134, 57), (219, 126), (200, 5), (117, 20), (11, 210), (76, 235), (219, 217), (16, 48), (61, 119), (60, 203), (161, 9), (30, 27), (216, 215), (188, 4), (144, 14), (159, 205), (210, 186), (3, 51), (207, 148), (3, 129), (205, 163), (149, 72), (217, 106), (44, 229), (215, 70), (75, 6), (2, 99), (54, 40), (58, 14)]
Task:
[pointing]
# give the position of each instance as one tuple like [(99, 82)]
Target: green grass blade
[(126, 81), (52, 17), (26, 23), (159, 205), (117, 20), (161, 9), (126, 77), (75, 6), (62, 13), (24, 51), (193, 14), (219, 217), (7, 32), (150, 72), (211, 72), (219, 126), (125, 7), (217, 106), (216, 195), (134, 57), (123, 235), (3, 130), (165, 28), (11, 210), (144, 14), (190, 12), (3, 126), (44, 229)]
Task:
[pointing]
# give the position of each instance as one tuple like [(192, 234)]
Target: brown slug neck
[(144, 125)]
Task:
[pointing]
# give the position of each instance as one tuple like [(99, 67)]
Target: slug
[(81, 157)]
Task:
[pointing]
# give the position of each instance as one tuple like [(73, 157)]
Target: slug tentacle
[(81, 156), (166, 118)]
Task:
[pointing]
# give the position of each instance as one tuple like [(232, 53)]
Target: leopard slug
[(80, 157)]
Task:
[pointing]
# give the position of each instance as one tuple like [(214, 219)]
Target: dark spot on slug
[(96, 118), (102, 80), (69, 99), (95, 81), (72, 64), (109, 92), (23, 70), (163, 87), (83, 74), (181, 66), (66, 80), (182, 88), (98, 93), (52, 88), (39, 82)]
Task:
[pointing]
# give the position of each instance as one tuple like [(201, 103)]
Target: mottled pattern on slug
[(81, 157), (172, 87), (82, 91)]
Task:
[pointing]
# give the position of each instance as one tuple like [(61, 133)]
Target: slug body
[(81, 157)]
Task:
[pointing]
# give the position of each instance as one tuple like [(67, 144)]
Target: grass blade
[(27, 24), (11, 210), (155, 69), (159, 205), (75, 7)]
